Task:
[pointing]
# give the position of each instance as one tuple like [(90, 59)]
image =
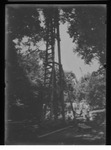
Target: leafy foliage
[(22, 21), (92, 88), (97, 92), (87, 27)]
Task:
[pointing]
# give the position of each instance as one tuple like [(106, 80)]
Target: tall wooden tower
[(53, 78)]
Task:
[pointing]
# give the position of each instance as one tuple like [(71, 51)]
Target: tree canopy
[(22, 68), (87, 27)]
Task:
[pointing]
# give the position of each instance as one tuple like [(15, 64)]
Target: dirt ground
[(28, 133)]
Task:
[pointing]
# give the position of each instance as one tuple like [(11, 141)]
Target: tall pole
[(50, 74), (60, 65), (53, 65)]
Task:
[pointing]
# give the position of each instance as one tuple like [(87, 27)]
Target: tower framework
[(53, 78)]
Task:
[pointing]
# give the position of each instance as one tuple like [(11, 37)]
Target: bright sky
[(70, 60)]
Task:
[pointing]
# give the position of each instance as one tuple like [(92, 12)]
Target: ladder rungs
[(50, 57), (49, 69), (48, 72), (49, 49), (48, 63), (49, 53)]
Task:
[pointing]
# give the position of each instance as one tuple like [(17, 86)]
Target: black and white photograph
[(55, 74)]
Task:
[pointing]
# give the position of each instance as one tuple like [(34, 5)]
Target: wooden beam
[(54, 132)]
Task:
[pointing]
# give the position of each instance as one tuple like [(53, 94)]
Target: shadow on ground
[(27, 133)]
